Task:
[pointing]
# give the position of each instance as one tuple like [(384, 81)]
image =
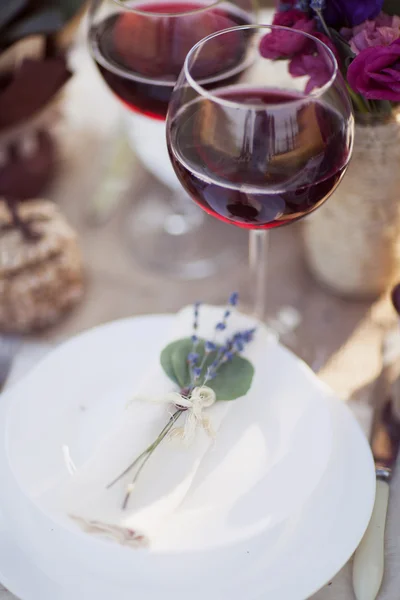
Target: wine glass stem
[(258, 257)]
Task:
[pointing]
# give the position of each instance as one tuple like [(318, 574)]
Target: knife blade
[(368, 566)]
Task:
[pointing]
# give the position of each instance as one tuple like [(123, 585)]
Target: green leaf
[(391, 7), (179, 362), (233, 378), (166, 361), (345, 52)]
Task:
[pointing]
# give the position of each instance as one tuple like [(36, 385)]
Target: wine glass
[(271, 146), (139, 47)]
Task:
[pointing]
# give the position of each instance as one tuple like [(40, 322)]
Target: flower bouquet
[(364, 35), (352, 244)]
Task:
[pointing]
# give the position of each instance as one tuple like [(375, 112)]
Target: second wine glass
[(139, 47)]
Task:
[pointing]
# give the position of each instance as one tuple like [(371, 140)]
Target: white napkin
[(169, 473)]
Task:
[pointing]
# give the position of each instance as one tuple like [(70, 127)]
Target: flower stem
[(148, 453), (149, 449), (323, 22), (357, 100)]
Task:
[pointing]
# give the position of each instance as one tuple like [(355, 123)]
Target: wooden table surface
[(340, 339)]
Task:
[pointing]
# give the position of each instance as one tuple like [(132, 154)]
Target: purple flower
[(339, 13), (196, 372), (210, 347), (375, 72), (285, 44), (313, 64), (192, 358), (233, 299), (228, 356), (381, 32)]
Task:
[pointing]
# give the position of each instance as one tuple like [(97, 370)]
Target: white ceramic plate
[(72, 397), (323, 537)]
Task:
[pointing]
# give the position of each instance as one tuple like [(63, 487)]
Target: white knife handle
[(369, 557)]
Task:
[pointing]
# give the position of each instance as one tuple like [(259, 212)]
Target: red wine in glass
[(276, 167), (140, 54)]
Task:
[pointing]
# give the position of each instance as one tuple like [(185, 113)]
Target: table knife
[(368, 566)]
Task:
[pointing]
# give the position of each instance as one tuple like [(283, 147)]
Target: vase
[(352, 243)]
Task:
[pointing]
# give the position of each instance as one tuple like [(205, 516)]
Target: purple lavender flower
[(348, 13), (233, 299), (210, 347), (192, 358), (196, 315), (233, 346), (248, 335), (228, 356), (197, 372), (382, 31)]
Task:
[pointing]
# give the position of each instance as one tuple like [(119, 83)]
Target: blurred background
[(92, 228)]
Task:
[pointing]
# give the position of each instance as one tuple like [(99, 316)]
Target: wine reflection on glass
[(139, 48), (265, 150)]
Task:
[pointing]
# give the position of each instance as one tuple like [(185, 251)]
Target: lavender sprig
[(318, 7), (200, 374), (210, 345), (233, 347), (193, 357)]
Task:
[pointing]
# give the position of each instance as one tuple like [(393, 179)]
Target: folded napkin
[(170, 471)]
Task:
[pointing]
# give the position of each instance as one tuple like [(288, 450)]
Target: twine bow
[(200, 398)]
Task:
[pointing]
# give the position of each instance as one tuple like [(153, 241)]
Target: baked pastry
[(40, 279)]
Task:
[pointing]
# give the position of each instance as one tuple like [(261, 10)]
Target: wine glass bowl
[(140, 46), (269, 148)]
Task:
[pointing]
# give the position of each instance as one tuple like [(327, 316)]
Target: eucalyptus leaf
[(180, 364), (175, 353), (166, 361), (10, 9), (233, 378), (391, 7)]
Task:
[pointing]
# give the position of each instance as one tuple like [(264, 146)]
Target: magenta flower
[(381, 32), (375, 72), (285, 44), (314, 63)]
